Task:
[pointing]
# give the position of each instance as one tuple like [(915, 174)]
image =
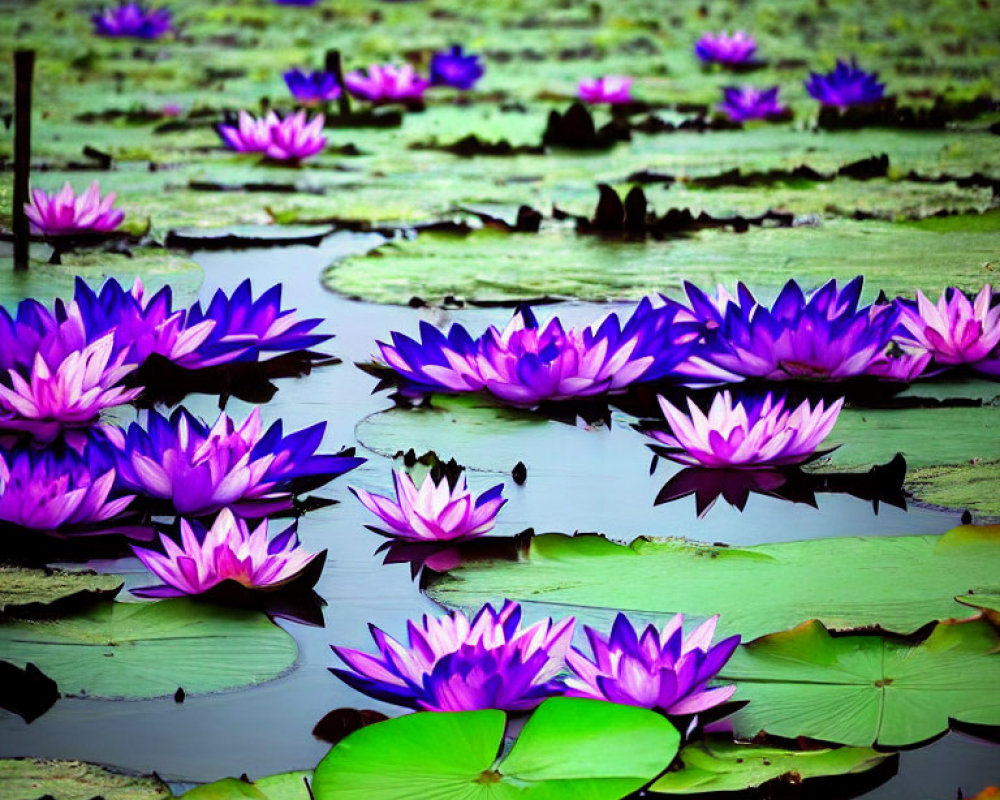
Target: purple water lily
[(526, 364), (22, 333), (953, 331), (658, 669), (58, 490), (825, 336), (847, 85), (312, 88), (201, 470), (132, 20), (291, 139), (456, 68), (68, 384), (436, 512), (747, 433), (228, 551), (386, 83), (726, 49), (452, 664), (65, 214), (608, 89), (741, 103)]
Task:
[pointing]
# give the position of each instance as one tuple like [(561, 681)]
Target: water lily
[(741, 103), (608, 89), (825, 336), (953, 331), (526, 364), (201, 469), (452, 664), (437, 361), (456, 68), (386, 83), (58, 489), (228, 551), (64, 213), (747, 433), (725, 48), (254, 327), (132, 20), (68, 385), (291, 139), (312, 88), (22, 333), (847, 85), (438, 511), (657, 669)]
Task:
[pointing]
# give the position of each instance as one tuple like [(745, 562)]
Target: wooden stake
[(334, 65), (24, 67)]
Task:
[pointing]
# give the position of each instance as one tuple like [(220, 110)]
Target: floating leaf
[(45, 282), (713, 765), (974, 486), (149, 649), (897, 582), (24, 591), (570, 748), (490, 265), (32, 778), (861, 690)]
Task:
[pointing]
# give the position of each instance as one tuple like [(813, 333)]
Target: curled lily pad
[(135, 650), (864, 690), (570, 748), (24, 591), (714, 765), (31, 778), (898, 583), (285, 786)]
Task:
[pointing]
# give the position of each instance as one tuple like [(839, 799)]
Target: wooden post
[(24, 67), (334, 65)]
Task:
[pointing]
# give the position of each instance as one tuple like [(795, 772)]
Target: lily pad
[(285, 786), (713, 765), (32, 778), (134, 650), (157, 268), (860, 690), (972, 486), (899, 583), (570, 748), (25, 590), (488, 265)]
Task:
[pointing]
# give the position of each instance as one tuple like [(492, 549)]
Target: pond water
[(578, 479)]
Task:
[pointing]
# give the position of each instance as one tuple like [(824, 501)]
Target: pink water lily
[(228, 551), (64, 213), (436, 512), (954, 330), (386, 83), (65, 389), (746, 433), (291, 139), (608, 89), (660, 669)]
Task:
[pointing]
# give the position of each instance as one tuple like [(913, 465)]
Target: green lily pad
[(950, 470), (134, 650), (475, 432), (493, 266), (949, 389), (23, 589), (157, 268), (988, 602), (860, 690), (31, 778), (899, 583), (285, 786), (724, 766), (570, 748), (972, 486)]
